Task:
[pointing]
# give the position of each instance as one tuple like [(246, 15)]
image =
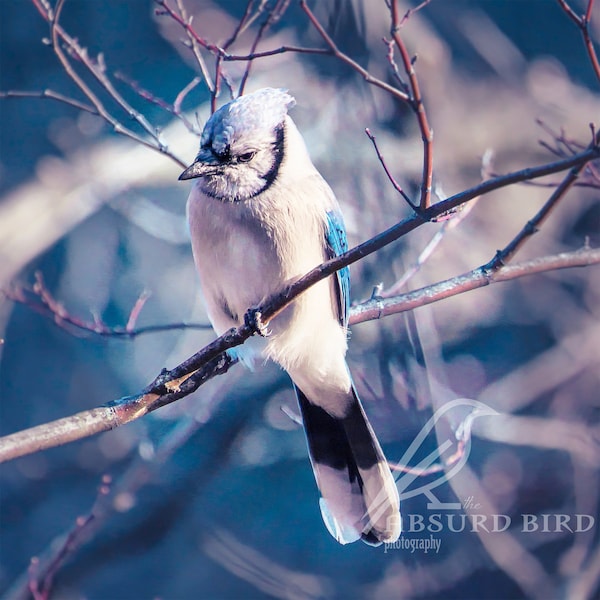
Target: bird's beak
[(196, 169)]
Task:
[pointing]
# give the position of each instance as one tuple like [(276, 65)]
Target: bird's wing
[(336, 244)]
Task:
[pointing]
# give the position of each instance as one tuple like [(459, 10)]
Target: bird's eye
[(246, 157)]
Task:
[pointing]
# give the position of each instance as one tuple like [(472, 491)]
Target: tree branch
[(173, 109), (583, 23), (169, 386), (387, 171), (97, 70), (376, 308), (335, 51), (273, 305), (45, 304), (416, 103), (114, 414), (50, 95), (275, 13), (533, 225)]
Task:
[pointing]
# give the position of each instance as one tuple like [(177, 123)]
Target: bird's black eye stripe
[(222, 156)]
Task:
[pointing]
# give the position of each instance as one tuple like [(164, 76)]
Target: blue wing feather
[(337, 243)]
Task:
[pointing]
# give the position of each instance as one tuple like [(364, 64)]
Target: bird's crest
[(247, 117)]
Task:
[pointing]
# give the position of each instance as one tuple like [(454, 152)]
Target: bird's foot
[(253, 319)]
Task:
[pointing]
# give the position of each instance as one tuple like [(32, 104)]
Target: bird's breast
[(235, 255)]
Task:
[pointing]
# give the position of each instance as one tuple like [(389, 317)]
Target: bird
[(261, 216)]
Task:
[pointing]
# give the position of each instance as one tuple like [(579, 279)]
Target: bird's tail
[(359, 494)]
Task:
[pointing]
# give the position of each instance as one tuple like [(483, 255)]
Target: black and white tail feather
[(359, 498)]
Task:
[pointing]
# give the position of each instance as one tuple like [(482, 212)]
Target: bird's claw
[(253, 319)]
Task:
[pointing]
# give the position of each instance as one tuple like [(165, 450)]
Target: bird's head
[(242, 146)]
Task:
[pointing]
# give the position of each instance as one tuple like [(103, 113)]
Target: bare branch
[(430, 247), (50, 95), (43, 572), (197, 41), (184, 92), (266, 53), (377, 308), (169, 386), (335, 51), (45, 304), (416, 103), (536, 222), (393, 181), (116, 413), (243, 23), (409, 13), (196, 48), (410, 94), (274, 15), (173, 109), (97, 70), (583, 23), (273, 305)]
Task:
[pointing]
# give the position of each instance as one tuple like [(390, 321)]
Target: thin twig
[(393, 181), (429, 249), (246, 21), (221, 53), (393, 64), (45, 304), (42, 575), (184, 92), (411, 11), (150, 97), (186, 25), (261, 30), (225, 56), (416, 103), (583, 23), (97, 70), (335, 51), (240, 28), (593, 183), (274, 15), (532, 226), (196, 40), (50, 95), (410, 94), (196, 48)]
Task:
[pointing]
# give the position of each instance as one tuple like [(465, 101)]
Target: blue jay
[(260, 217)]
